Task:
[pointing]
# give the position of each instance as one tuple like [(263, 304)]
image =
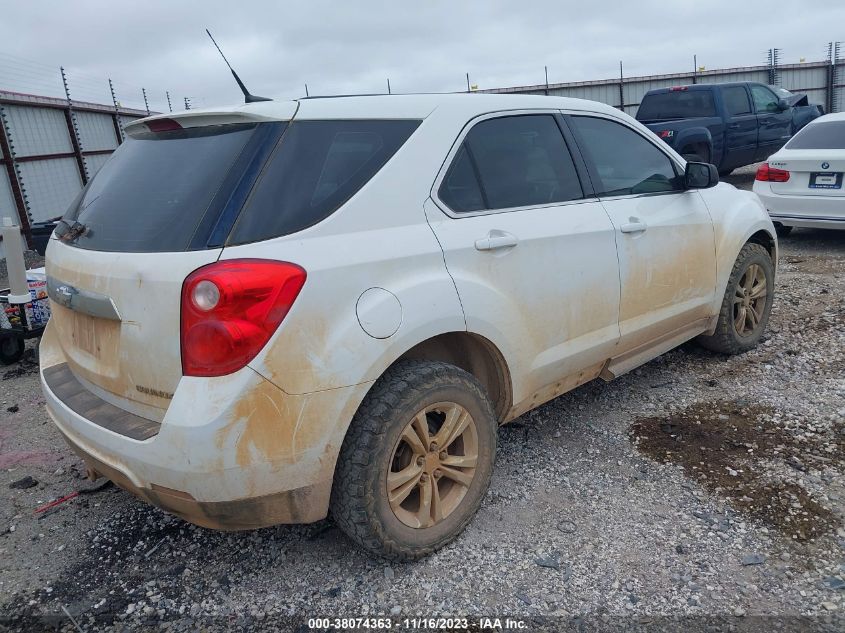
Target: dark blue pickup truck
[(728, 125)]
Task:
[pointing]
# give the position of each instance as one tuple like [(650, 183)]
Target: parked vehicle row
[(267, 313)]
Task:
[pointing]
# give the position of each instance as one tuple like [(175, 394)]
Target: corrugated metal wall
[(44, 160), (814, 79)]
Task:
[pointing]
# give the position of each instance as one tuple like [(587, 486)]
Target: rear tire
[(11, 350), (746, 304), (414, 400), (782, 230)]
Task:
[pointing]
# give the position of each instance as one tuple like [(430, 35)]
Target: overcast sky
[(354, 46)]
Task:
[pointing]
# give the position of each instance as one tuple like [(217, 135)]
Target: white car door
[(532, 254), (664, 233)]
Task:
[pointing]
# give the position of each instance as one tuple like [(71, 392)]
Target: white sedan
[(801, 185)]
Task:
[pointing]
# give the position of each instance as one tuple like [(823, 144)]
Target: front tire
[(416, 462), (746, 305)]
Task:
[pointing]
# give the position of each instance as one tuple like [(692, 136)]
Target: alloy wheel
[(750, 297), (432, 465)]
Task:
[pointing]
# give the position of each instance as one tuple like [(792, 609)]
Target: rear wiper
[(69, 231)]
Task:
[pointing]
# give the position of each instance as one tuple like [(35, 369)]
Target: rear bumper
[(234, 452), (301, 505), (824, 212)]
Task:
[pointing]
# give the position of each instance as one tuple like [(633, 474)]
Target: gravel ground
[(697, 485)]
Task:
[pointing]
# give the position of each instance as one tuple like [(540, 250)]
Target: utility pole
[(468, 88), (306, 90), (388, 86), (547, 80), (169, 105), (146, 103), (187, 103), (695, 69)]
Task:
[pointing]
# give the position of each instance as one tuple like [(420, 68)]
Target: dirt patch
[(738, 452)]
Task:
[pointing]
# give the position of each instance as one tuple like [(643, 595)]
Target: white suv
[(271, 312)]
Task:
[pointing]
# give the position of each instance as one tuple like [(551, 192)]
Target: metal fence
[(823, 82), (49, 149)]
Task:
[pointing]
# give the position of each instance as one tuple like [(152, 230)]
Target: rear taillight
[(230, 309), (666, 133), (765, 173)]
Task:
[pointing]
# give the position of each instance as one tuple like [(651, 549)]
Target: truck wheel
[(416, 461), (746, 304), (11, 349)]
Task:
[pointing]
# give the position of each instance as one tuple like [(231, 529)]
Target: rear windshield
[(677, 104), (317, 167), (154, 192), (826, 135)]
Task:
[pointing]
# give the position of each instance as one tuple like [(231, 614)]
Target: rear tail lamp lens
[(766, 173), (230, 309)]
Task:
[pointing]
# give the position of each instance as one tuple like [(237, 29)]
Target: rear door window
[(736, 100), (514, 161), (155, 190), (623, 161), (460, 189), (316, 168)]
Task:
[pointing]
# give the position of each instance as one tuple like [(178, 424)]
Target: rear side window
[(316, 168), (736, 100), (824, 135), (155, 190), (623, 161), (515, 161), (677, 104)]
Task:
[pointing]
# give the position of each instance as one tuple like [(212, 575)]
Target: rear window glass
[(155, 190), (736, 100), (826, 135), (317, 167), (677, 104)]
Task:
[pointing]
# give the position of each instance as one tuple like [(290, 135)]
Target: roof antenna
[(248, 98)]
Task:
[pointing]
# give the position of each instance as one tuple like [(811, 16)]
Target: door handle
[(734, 126), (496, 239), (634, 225)]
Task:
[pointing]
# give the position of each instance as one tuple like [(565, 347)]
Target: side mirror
[(701, 176), (783, 105)]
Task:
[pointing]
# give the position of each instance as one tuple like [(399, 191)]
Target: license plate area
[(825, 180)]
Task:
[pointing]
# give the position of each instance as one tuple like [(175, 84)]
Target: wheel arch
[(767, 241), (693, 137), (474, 354)]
